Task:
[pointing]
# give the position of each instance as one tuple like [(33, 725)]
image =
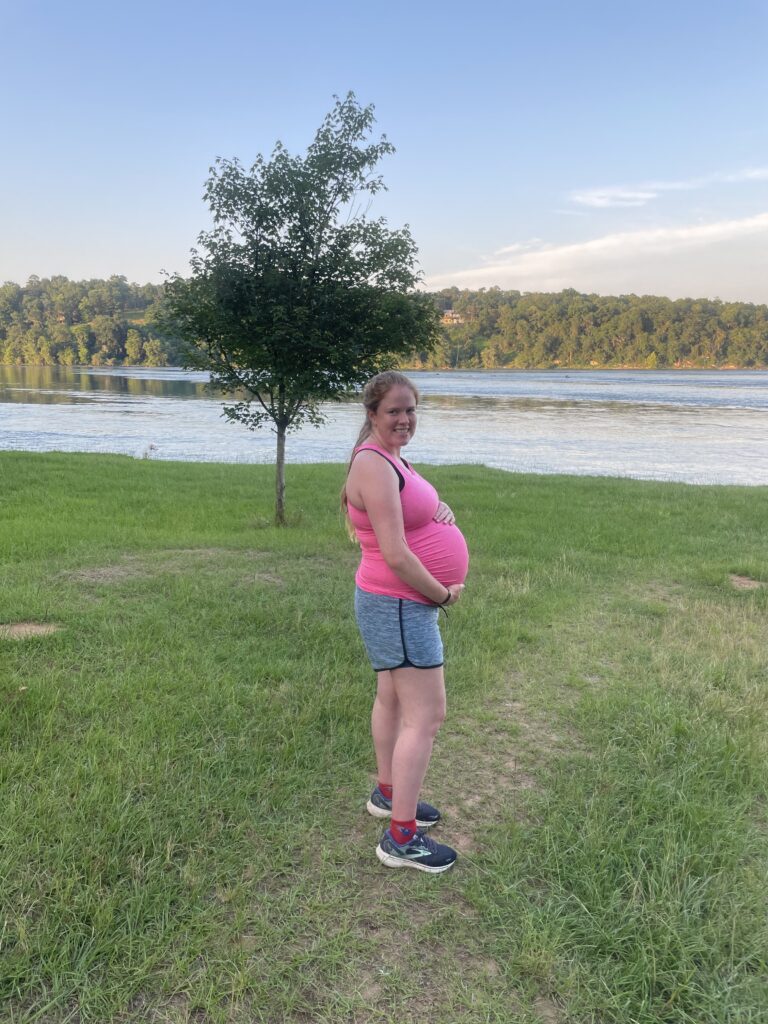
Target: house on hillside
[(450, 318)]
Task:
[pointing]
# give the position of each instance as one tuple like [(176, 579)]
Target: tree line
[(111, 322), (492, 328), (92, 323)]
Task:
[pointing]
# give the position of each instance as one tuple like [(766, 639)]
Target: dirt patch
[(745, 582), (663, 590), (202, 552), (22, 630), (173, 561), (105, 573), (371, 990), (547, 1011), (268, 577)]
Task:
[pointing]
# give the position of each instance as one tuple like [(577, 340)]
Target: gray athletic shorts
[(398, 633)]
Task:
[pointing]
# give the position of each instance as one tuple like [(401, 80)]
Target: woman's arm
[(376, 485)]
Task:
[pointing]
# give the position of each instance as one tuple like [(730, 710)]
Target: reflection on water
[(695, 426), (47, 385), (734, 388)]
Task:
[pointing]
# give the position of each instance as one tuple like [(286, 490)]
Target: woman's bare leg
[(385, 725), (420, 694)]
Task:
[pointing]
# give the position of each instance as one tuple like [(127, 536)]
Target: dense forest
[(93, 323), (494, 328), (106, 323)]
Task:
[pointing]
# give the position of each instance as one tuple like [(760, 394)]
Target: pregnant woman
[(414, 562)]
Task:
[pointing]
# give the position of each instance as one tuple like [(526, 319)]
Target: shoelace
[(430, 844)]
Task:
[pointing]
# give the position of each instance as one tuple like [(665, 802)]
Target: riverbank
[(188, 758)]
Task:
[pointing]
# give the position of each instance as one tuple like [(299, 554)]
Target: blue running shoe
[(421, 853), (380, 807)]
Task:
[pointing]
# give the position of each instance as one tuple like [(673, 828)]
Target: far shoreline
[(623, 368)]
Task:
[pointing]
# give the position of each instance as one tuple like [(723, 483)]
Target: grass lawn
[(186, 760)]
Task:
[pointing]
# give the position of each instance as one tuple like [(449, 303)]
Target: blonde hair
[(373, 393)]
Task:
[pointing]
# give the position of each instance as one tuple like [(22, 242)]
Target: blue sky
[(602, 146)]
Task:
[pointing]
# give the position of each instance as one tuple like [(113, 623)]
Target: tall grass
[(186, 761)]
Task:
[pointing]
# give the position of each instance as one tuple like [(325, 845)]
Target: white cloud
[(639, 195), (645, 260), (749, 174), (618, 196), (532, 243)]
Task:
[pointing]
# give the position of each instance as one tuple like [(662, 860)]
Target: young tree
[(296, 297)]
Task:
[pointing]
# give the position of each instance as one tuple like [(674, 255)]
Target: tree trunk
[(280, 477)]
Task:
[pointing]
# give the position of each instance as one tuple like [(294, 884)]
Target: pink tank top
[(440, 547)]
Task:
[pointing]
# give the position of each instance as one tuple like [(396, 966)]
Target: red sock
[(385, 788), (402, 831)]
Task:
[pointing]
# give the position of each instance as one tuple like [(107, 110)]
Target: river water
[(696, 426)]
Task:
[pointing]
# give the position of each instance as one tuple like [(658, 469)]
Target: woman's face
[(394, 421)]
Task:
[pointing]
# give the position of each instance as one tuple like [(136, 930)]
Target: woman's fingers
[(444, 514)]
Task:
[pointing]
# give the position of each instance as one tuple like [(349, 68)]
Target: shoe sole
[(381, 812), (390, 861)]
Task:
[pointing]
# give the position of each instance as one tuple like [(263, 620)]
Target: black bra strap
[(400, 477)]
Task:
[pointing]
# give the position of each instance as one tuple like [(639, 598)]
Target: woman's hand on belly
[(444, 514)]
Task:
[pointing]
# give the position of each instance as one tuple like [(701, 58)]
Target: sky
[(540, 145)]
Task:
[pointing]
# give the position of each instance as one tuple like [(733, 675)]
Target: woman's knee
[(438, 718), (422, 699), (427, 721)]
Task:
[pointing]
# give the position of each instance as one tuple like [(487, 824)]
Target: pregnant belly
[(441, 548)]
